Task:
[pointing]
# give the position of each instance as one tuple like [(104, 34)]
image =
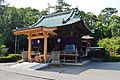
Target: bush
[(3, 50), (106, 57), (114, 58), (11, 58), (113, 43)]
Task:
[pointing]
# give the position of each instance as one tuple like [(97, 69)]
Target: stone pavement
[(6, 75), (93, 66), (101, 73), (20, 74)]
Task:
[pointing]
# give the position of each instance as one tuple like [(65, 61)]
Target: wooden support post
[(45, 49), (29, 49)]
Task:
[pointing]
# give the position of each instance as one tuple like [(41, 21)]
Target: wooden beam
[(37, 37), (27, 30), (32, 30), (49, 28), (53, 33), (29, 49), (45, 49), (45, 32)]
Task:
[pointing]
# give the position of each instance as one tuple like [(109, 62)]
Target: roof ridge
[(55, 14), (61, 13), (73, 12), (68, 18)]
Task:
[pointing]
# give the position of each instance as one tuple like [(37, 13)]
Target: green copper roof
[(58, 19)]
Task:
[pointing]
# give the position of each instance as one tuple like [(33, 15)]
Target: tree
[(90, 19), (44, 12), (114, 25), (61, 6), (47, 10), (113, 43), (27, 16), (106, 13), (109, 11), (2, 46), (108, 24), (11, 18)]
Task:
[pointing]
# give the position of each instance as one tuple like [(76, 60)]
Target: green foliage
[(115, 25), (109, 11), (2, 46), (10, 18), (114, 28), (61, 6), (2, 50), (27, 16), (113, 43), (107, 24), (11, 58), (44, 12), (90, 19)]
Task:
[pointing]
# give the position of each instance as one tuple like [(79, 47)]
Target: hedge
[(114, 58), (11, 58)]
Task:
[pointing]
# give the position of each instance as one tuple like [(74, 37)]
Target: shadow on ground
[(79, 69)]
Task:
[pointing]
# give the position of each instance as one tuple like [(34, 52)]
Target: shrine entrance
[(37, 33)]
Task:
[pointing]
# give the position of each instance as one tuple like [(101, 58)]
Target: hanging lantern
[(59, 40), (38, 41)]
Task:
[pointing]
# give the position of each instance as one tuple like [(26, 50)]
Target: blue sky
[(94, 6)]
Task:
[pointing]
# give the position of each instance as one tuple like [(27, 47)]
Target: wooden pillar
[(45, 49), (29, 49)]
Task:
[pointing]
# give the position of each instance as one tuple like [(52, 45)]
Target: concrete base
[(78, 64), (55, 62)]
